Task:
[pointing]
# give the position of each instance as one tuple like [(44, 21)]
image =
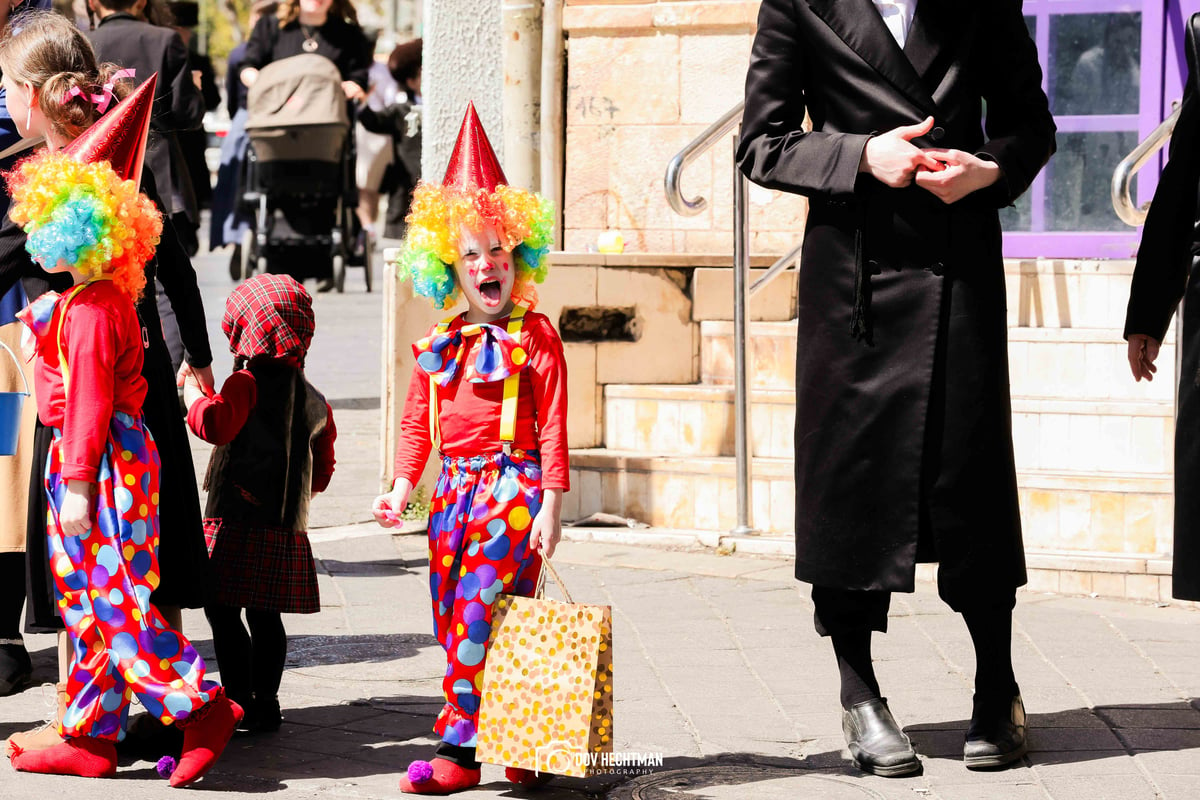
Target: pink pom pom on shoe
[(165, 766), (420, 771), (439, 777)]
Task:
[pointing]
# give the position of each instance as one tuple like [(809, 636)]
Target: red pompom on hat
[(119, 137), (473, 164)]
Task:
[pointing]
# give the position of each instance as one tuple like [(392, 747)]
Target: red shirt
[(218, 419), (102, 344), (470, 412)]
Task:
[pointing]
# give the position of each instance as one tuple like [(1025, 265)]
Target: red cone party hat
[(119, 137), (473, 164)]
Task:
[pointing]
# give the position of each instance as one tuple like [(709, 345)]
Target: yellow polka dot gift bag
[(547, 700)]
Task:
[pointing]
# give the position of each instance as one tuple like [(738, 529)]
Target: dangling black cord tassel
[(858, 317), (859, 325)]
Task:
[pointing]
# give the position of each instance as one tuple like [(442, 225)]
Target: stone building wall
[(643, 79)]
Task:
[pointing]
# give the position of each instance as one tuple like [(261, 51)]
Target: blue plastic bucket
[(10, 411)]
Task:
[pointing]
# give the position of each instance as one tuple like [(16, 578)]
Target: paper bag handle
[(541, 584)]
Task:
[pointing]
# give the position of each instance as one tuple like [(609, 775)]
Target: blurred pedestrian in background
[(227, 224), (194, 142), (401, 120), (374, 149)]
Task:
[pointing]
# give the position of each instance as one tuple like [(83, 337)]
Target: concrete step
[(695, 420), (684, 492), (1110, 436), (1128, 513), (1043, 362), (1083, 363), (1058, 293), (772, 354)]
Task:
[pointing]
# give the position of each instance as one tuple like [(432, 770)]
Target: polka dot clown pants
[(121, 646), (479, 525)]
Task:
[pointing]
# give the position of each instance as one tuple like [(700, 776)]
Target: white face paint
[(485, 272)]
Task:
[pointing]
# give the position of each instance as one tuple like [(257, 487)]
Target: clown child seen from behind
[(489, 391), (83, 215)]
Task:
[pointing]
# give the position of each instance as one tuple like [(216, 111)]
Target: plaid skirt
[(268, 569)]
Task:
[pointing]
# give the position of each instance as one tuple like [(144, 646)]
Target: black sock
[(12, 594), (270, 652), (463, 756), (991, 633), (853, 651)]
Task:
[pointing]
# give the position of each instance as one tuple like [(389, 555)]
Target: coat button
[(937, 134)]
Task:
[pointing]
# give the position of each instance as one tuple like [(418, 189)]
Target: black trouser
[(462, 756), (250, 662), (837, 611)]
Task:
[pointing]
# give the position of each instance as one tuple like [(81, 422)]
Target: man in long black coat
[(903, 431), (123, 39), (1167, 270)]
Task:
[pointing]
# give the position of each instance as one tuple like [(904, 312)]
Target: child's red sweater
[(102, 344), (469, 415)]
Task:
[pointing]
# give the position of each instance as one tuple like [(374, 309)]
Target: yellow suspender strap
[(512, 384), (512, 388), (435, 430), (62, 316)]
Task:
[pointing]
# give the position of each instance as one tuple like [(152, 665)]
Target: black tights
[(12, 594), (850, 617), (250, 661)]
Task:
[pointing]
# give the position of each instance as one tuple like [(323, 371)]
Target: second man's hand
[(961, 174)]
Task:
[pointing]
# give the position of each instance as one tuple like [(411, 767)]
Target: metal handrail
[(773, 271), (730, 120), (730, 123), (1122, 179)]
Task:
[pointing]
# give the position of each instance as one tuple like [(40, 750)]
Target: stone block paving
[(718, 669)]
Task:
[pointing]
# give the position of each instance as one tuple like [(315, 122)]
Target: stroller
[(298, 180)]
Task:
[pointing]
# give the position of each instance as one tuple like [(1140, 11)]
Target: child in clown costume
[(489, 392), (83, 215)]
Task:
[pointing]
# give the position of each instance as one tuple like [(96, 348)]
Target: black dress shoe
[(876, 743), (264, 715), (997, 733), (16, 668)]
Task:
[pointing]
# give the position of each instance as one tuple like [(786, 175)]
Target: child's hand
[(75, 516), (547, 525), (387, 508)]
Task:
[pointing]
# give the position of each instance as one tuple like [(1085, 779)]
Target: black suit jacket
[(903, 424), (178, 105)]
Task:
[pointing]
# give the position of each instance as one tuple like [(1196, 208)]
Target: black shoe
[(264, 715), (16, 669), (876, 743), (997, 733), (147, 738)]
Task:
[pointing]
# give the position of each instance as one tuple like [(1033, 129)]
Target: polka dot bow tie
[(497, 356), (37, 317)]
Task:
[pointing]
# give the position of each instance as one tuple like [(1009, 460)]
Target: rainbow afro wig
[(524, 221), (86, 217)]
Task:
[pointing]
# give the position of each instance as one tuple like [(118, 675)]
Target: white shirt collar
[(898, 16)]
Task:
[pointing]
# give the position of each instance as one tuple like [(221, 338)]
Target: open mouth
[(490, 292)]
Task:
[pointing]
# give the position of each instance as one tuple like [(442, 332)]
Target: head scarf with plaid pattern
[(269, 315)]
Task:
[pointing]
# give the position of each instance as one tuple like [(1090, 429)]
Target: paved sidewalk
[(717, 665), (717, 668)]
